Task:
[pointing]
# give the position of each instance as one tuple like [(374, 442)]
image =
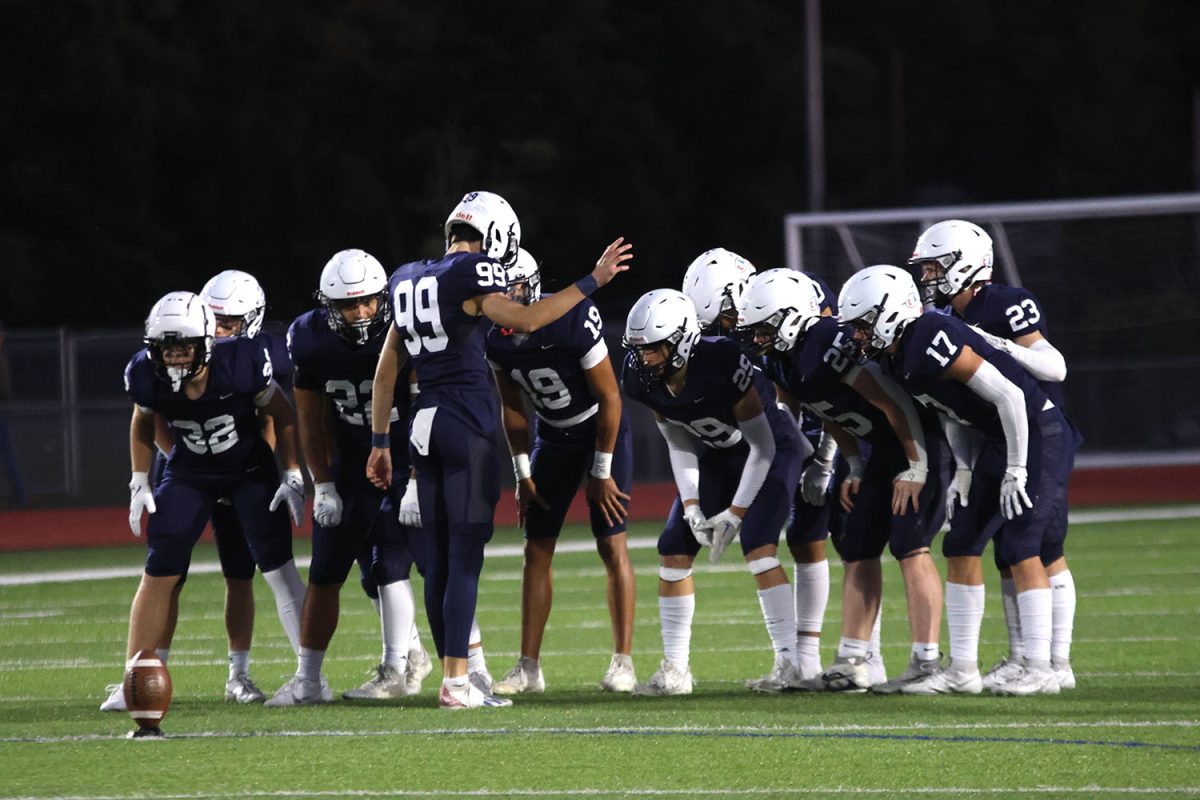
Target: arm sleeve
[(1042, 360), (988, 383), (904, 402), (962, 442), (264, 397), (826, 447), (685, 465), (757, 433)]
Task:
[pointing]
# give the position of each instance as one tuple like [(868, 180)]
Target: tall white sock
[(1012, 618), (675, 614), (310, 664), (239, 663), (1062, 587), (964, 615), (475, 659), (1037, 611), (288, 589), (397, 615), (780, 616), (873, 642), (414, 637), (852, 648), (812, 595)]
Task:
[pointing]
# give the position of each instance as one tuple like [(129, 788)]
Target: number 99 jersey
[(218, 432)]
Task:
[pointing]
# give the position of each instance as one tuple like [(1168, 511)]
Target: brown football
[(147, 689)]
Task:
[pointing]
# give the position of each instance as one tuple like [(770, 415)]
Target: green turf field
[(1131, 728)]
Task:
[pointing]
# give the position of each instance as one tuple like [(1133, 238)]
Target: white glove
[(410, 509), (957, 491), (290, 491), (725, 528), (814, 481), (998, 342), (696, 520), (1012, 493), (140, 499), (327, 505)]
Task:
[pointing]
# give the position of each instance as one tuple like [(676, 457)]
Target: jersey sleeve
[(587, 334), (475, 276), (257, 371), (281, 361), (734, 367), (299, 342), (139, 381), (936, 342), (1022, 315)]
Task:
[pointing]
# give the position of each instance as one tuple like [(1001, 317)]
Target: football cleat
[(419, 667), (469, 696), (783, 677), (946, 681), (668, 680), (386, 683), (482, 680), (620, 676), (1066, 675), (1002, 671), (1030, 680), (300, 692), (240, 689), (526, 676), (876, 671), (116, 698), (917, 670), (845, 674)]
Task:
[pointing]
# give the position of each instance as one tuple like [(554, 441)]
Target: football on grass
[(147, 689)]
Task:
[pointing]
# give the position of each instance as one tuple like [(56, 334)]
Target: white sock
[(812, 595), (780, 616), (964, 615), (162, 653), (239, 663), (455, 683), (808, 653), (925, 651), (398, 612), (414, 637), (288, 589), (873, 642), (1062, 586), (1012, 618), (852, 648), (475, 659), (1037, 612), (310, 664), (675, 614)]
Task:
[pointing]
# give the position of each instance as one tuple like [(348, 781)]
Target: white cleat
[(1030, 680), (917, 670), (876, 671), (1066, 675), (419, 667), (526, 677), (240, 689), (469, 696), (299, 692), (783, 677), (1002, 671), (620, 676), (116, 698), (668, 680), (845, 674), (387, 683), (482, 680), (946, 681)]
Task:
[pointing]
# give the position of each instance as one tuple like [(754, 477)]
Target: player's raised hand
[(379, 467), (604, 494), (291, 492), (140, 499), (527, 493), (614, 259)]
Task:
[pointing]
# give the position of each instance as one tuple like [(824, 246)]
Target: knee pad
[(674, 574), (760, 565)]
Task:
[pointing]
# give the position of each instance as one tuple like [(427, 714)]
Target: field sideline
[(1131, 728)]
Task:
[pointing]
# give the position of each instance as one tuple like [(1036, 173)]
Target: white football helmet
[(960, 255), (880, 301), (780, 305), (524, 275), (662, 316), (234, 293), (715, 282), (494, 219), (348, 278), (180, 319)]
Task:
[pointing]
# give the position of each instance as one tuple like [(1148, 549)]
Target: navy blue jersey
[(929, 345), (549, 363), (1010, 313), (719, 374), (815, 373), (219, 431), (281, 360), (828, 300), (344, 372)]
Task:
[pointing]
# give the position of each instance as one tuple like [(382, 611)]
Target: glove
[(1012, 493), (327, 505), (696, 520), (410, 509), (998, 342), (814, 481), (959, 488), (725, 527), (140, 499), (290, 491)]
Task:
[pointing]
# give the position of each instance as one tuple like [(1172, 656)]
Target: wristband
[(521, 466), (601, 465), (587, 285), (381, 440)]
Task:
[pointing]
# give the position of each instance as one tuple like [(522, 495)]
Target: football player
[(334, 348), (1017, 475), (442, 310), (954, 261), (735, 456), (564, 372), (210, 395), (714, 282)]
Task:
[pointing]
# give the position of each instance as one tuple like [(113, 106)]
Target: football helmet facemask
[(949, 257), (234, 293), (879, 302), (350, 279), (661, 317), (179, 320)]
